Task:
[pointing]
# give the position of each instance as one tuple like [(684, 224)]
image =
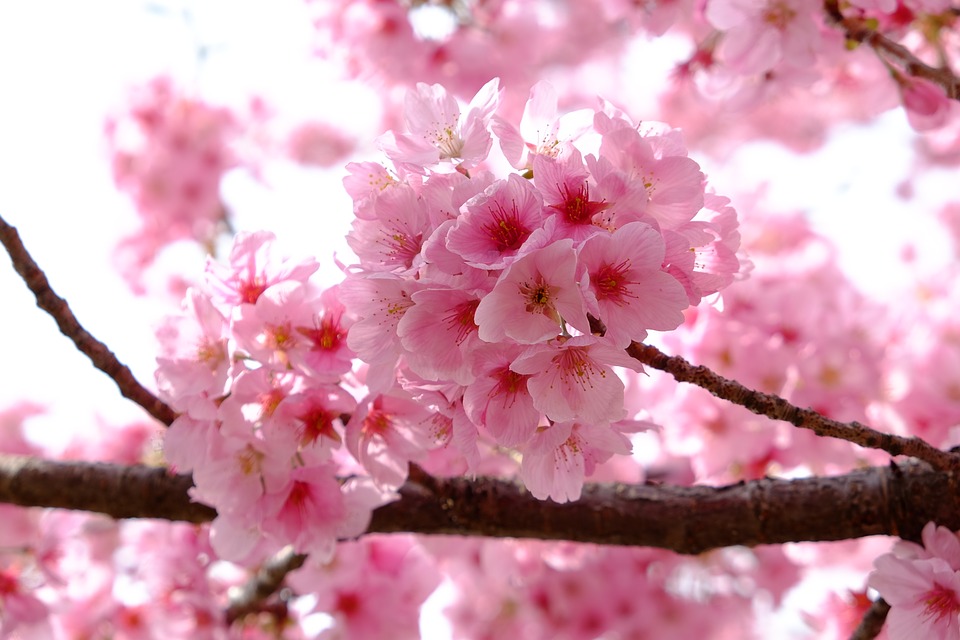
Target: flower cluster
[(168, 152), (254, 366), (503, 303)]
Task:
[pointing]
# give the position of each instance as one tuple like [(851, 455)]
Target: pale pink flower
[(386, 433), (493, 226), (657, 165), (251, 270), (924, 597), (306, 511), (266, 330), (391, 241), (572, 378), (533, 296), (542, 132), (365, 181), (560, 456), (759, 34), (439, 131), (192, 373), (630, 292), (379, 301)]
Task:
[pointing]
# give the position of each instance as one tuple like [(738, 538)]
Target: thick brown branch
[(779, 409), (120, 491), (101, 357), (895, 501)]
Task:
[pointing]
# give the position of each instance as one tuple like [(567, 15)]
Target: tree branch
[(250, 598), (779, 409), (101, 357), (872, 623), (894, 501), (858, 30)]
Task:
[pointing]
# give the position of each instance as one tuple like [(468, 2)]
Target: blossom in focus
[(922, 586)]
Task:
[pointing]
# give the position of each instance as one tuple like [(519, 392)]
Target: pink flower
[(311, 511), (559, 456), (193, 372), (542, 132), (438, 131), (657, 166), (498, 399), (169, 151), (628, 288), (533, 296), (440, 335), (386, 433), (391, 241), (379, 301), (759, 34), (252, 269), (572, 379), (922, 586), (495, 224), (566, 192), (926, 102)]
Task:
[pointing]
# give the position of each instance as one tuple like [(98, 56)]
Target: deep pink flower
[(495, 224), (926, 103), (630, 292), (440, 335), (498, 399), (566, 192)]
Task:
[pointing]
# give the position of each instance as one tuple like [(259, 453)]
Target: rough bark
[(895, 501)]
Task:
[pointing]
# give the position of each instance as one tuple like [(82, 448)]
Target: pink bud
[(926, 103)]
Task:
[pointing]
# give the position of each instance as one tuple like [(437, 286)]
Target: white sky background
[(64, 64)]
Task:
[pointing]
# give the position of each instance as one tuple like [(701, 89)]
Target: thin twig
[(858, 30), (779, 409), (268, 580), (101, 357), (872, 623)]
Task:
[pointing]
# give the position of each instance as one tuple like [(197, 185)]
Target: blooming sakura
[(488, 312)]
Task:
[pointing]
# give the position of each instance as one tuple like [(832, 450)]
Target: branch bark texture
[(895, 501), (98, 353), (779, 409)]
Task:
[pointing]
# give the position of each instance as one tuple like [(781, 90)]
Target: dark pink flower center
[(505, 230)]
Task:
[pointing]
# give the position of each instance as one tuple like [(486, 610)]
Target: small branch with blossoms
[(860, 30), (779, 409), (876, 501), (101, 356)]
